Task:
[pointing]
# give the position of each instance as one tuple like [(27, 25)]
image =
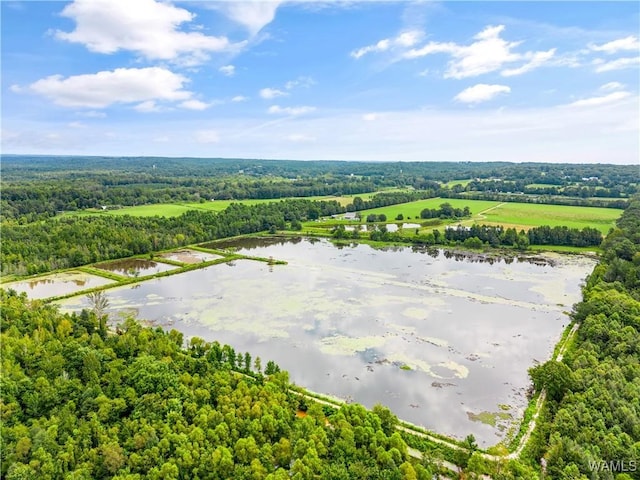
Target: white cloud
[(148, 106), (161, 139), (194, 105), (603, 100), (481, 93), (278, 110), (488, 53), (239, 98), (123, 85), (403, 40), (618, 64), (537, 59), (147, 27), (228, 70), (16, 89), (626, 43), (207, 136), (270, 93), (76, 125), (303, 82), (253, 15), (612, 86)]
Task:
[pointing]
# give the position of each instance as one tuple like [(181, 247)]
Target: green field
[(176, 209), (526, 215), (411, 211), (518, 215), (450, 184)]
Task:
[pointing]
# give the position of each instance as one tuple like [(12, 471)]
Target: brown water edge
[(190, 256), (135, 267), (57, 284)]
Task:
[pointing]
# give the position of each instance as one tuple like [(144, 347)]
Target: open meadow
[(521, 216)]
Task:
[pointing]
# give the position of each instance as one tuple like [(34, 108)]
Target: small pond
[(190, 256), (445, 340), (57, 284), (135, 267)]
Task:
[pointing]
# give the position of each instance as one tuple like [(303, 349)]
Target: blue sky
[(345, 80)]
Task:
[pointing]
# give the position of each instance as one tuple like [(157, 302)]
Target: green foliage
[(136, 404), (594, 415)]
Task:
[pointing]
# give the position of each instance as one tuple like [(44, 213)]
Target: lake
[(444, 340)]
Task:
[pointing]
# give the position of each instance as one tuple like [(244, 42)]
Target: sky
[(511, 81)]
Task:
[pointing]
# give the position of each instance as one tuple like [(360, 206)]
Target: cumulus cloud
[(194, 105), (481, 93), (627, 43), (489, 52), (618, 64), (228, 70), (207, 136), (239, 98), (278, 110), (253, 15), (602, 100), (270, 93), (148, 106), (146, 27), (122, 85), (537, 59), (404, 39)]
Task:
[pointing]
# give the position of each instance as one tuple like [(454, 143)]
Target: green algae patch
[(341, 345), (494, 419)]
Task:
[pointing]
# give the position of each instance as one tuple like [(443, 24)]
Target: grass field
[(526, 215), (464, 183), (517, 215), (176, 209), (411, 211)]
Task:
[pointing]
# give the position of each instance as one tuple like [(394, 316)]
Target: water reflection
[(134, 267), (433, 338), (57, 284)]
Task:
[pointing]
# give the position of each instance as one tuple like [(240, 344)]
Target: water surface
[(439, 339), (135, 267), (57, 284)]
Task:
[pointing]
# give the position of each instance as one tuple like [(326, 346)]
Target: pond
[(444, 340), (57, 284), (135, 267), (190, 256)]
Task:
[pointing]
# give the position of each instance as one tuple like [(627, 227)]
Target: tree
[(553, 376), (99, 302)]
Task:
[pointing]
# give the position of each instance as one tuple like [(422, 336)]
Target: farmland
[(518, 215)]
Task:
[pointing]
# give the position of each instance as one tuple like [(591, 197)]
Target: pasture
[(521, 216), (527, 215)]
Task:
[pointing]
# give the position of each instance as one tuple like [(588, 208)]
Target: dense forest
[(39, 187), (591, 426), (79, 402)]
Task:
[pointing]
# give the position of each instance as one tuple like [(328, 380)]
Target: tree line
[(69, 242), (590, 427)]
